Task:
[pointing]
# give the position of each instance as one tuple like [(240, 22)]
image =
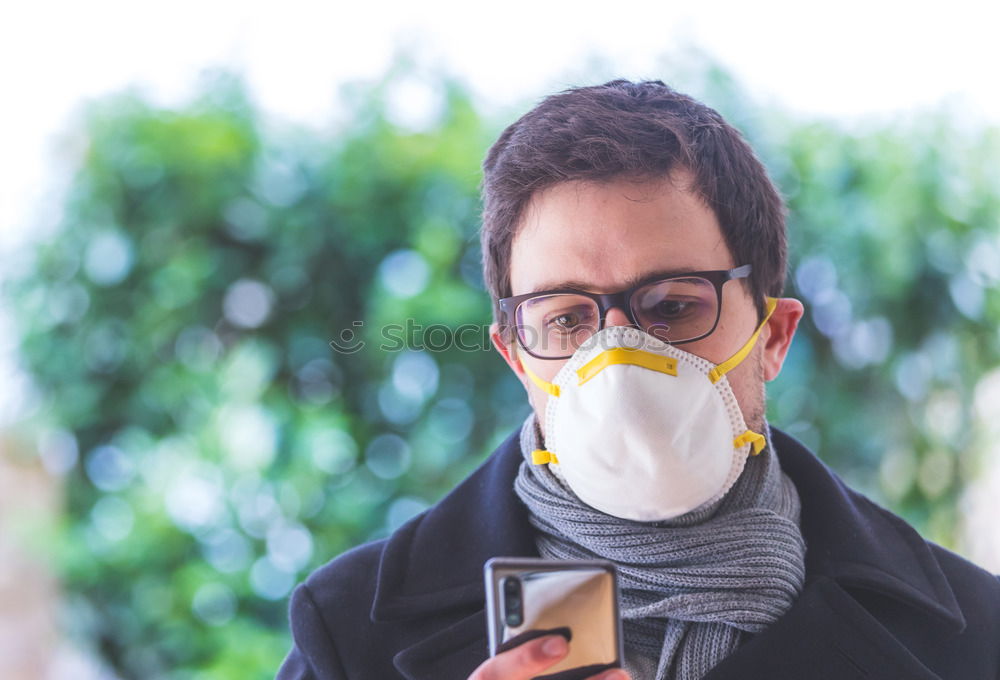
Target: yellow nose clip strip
[(610, 357), (626, 355)]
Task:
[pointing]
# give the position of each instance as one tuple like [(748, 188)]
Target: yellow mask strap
[(715, 375), (543, 385)]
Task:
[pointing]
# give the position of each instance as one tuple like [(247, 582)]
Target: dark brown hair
[(640, 130)]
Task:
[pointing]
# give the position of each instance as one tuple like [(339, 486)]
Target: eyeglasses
[(684, 308)]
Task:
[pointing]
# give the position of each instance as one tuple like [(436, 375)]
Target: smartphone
[(527, 598)]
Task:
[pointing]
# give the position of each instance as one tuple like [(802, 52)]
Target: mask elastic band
[(715, 375), (543, 385)]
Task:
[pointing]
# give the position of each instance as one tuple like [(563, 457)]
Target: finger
[(615, 674), (524, 661)]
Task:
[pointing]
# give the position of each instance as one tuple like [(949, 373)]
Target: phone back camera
[(513, 614)]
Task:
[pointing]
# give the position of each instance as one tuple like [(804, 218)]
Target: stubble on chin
[(755, 411), (536, 400)]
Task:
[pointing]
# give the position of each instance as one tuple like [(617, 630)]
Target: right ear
[(508, 350)]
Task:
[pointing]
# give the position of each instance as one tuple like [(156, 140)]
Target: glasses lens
[(676, 310), (553, 326)]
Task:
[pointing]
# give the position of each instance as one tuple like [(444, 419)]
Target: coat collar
[(860, 544), (435, 562), (432, 567)]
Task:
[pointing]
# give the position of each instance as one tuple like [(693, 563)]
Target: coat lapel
[(826, 635), (862, 546), (853, 547), (431, 570), (454, 651)]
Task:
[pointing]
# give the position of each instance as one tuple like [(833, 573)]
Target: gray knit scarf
[(691, 587)]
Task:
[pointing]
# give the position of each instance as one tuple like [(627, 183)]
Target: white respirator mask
[(642, 430)]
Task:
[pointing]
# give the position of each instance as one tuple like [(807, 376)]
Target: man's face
[(605, 237)]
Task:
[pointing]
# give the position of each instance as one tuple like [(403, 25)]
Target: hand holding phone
[(530, 659), (527, 599)]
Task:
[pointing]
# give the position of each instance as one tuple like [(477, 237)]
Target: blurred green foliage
[(178, 324)]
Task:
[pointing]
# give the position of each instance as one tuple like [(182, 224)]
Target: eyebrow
[(631, 282)]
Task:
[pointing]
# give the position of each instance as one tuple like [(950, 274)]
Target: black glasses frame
[(622, 300)]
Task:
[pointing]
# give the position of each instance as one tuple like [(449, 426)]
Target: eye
[(675, 310), (672, 308), (569, 319), (565, 321)]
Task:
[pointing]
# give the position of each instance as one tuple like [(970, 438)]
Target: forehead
[(606, 236)]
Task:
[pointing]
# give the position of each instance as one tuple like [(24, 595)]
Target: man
[(635, 251)]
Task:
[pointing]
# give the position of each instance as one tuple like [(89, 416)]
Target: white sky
[(843, 58)]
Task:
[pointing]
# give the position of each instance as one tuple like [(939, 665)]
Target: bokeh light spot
[(388, 456), (214, 603), (402, 510), (897, 472), (415, 375), (105, 346), (249, 435), (967, 295), (404, 273), (831, 312), (277, 182), (935, 473), (815, 276), (227, 550), (269, 581), (198, 348), (397, 408), (66, 303), (248, 370), (195, 498), (58, 451), (333, 451), (256, 506), (451, 420), (108, 258), (112, 517), (245, 219), (317, 382), (109, 468), (248, 303), (913, 375), (289, 546)]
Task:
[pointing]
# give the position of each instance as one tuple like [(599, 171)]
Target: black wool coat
[(878, 602)]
